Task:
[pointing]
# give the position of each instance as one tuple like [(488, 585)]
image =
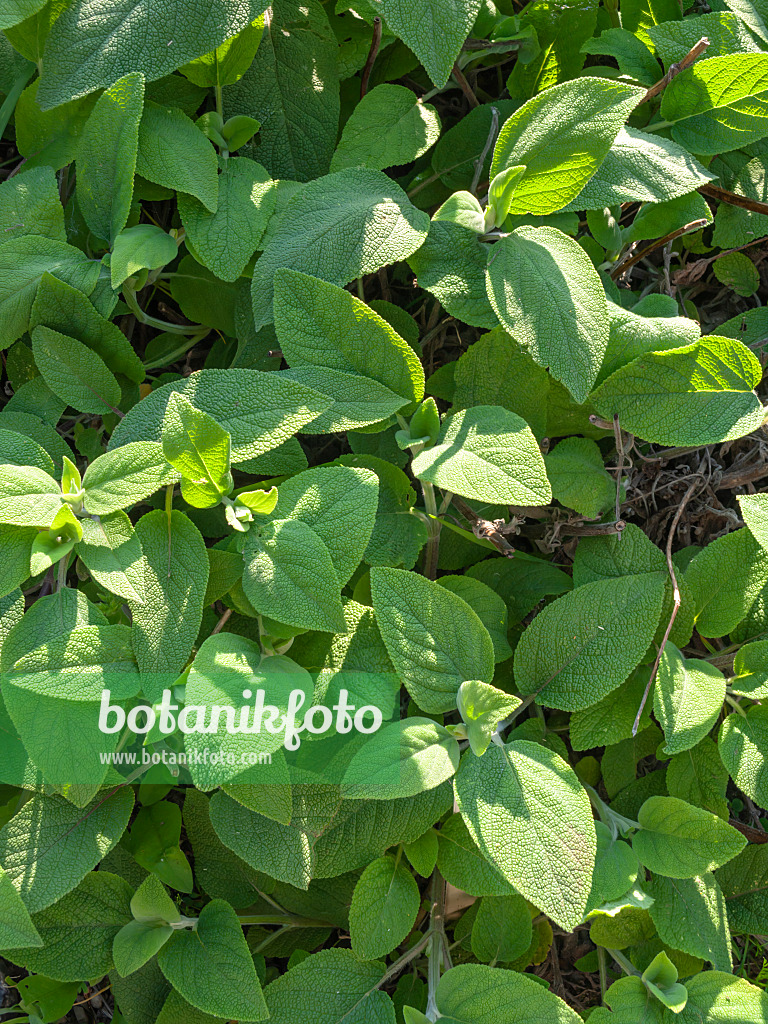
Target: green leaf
[(725, 579), (451, 265), (699, 394), (30, 205), (49, 846), (212, 967), (227, 239), (173, 152), (555, 50), (750, 671), (690, 914), (476, 994), (228, 62), (585, 644), (30, 496), (422, 853), (462, 863), (433, 637), (74, 372), (154, 844), (699, 777), (111, 552), (137, 942), (737, 271), (660, 978), (641, 168), (427, 755), (259, 410), (384, 907), (489, 607), (166, 623), (578, 477), (742, 744), (65, 309), (388, 126), (338, 228), (502, 929), (523, 805), (140, 247), (199, 448), (125, 476), (435, 31), (562, 136), (633, 56), (106, 157), (330, 987), (321, 325), (482, 708), (89, 48), (639, 15), (632, 335), (719, 104), (678, 840), (549, 297), (754, 512), (292, 89), (14, 11), (486, 453), (16, 927), (289, 576), (688, 698), (23, 261), (744, 882), (718, 997)]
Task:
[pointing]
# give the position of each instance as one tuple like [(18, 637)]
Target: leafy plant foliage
[(410, 353)]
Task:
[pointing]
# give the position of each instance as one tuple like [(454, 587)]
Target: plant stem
[(433, 543), (61, 578), (436, 943)]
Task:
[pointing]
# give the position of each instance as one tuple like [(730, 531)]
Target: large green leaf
[(562, 136), (337, 228), (120, 478), (292, 89), (487, 453), (166, 622), (227, 239), (16, 927), (585, 644), (50, 845), (549, 297), (388, 126), (678, 840), (476, 994), (74, 372), (528, 813), (743, 743), (724, 580), (744, 882), (700, 394), (690, 914), (433, 637), (434, 31), (106, 157), (212, 966), (719, 104), (260, 410), (91, 46), (14, 11), (688, 698), (173, 152), (30, 205), (384, 907), (111, 552)]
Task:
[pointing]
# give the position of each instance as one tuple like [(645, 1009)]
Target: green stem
[(658, 126), (436, 943), (61, 579), (735, 705), (602, 967), (433, 543), (285, 921), (151, 321), (625, 964)]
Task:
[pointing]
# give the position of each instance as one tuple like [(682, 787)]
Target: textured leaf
[(585, 644), (681, 841), (719, 104), (384, 907), (750, 671), (560, 32), (166, 623), (489, 607), (199, 448), (462, 863), (688, 698), (16, 545), (174, 152), (549, 297), (74, 372), (30, 205), (260, 410), (744, 882), (289, 576), (487, 453), (292, 89), (724, 580), (388, 126), (144, 246), (79, 931), (49, 845), (632, 335), (700, 394), (227, 239), (754, 512), (338, 228), (641, 168), (330, 987), (434, 638), (690, 914), (112, 553), (526, 810), (743, 743), (23, 261), (16, 927), (30, 496), (124, 476), (699, 777), (562, 136), (578, 477), (502, 929), (476, 994), (106, 157), (435, 31), (91, 47), (14, 11), (212, 967)]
